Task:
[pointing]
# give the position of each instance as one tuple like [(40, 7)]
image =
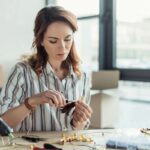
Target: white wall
[(16, 27)]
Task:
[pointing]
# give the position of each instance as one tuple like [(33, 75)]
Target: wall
[(16, 27), (16, 31)]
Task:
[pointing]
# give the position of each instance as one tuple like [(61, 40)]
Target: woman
[(40, 84)]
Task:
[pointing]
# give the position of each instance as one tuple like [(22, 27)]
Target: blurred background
[(112, 35)]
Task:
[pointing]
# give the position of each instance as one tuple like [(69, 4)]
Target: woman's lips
[(61, 55)]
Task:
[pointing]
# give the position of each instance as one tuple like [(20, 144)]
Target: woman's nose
[(62, 45)]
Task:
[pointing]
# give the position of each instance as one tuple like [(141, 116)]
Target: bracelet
[(26, 103)]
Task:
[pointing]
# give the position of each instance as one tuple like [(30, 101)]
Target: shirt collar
[(49, 70)]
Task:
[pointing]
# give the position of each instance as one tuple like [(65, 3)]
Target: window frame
[(108, 45), (107, 42)]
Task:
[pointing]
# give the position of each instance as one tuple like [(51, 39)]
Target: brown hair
[(44, 18)]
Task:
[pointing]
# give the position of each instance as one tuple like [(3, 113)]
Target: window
[(125, 44), (133, 34), (88, 47), (78, 6)]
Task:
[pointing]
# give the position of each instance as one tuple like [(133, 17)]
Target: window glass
[(134, 105), (133, 34), (87, 42), (80, 7)]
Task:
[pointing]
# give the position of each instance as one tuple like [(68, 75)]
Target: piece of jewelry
[(26, 103), (145, 130)]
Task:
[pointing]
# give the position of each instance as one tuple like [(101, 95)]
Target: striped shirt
[(23, 82)]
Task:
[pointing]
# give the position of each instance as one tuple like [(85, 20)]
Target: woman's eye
[(67, 40), (53, 42)]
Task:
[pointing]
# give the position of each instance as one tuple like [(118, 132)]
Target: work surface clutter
[(134, 139)]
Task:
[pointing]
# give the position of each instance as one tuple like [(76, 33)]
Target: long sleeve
[(12, 92)]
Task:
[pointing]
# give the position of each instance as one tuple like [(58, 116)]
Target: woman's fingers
[(84, 106), (80, 118), (49, 101), (61, 98), (56, 97), (82, 112)]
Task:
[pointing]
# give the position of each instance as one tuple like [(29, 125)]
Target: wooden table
[(99, 139)]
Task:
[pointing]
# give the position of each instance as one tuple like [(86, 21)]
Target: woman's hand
[(81, 114), (52, 97)]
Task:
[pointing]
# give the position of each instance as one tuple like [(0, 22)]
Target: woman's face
[(57, 41)]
